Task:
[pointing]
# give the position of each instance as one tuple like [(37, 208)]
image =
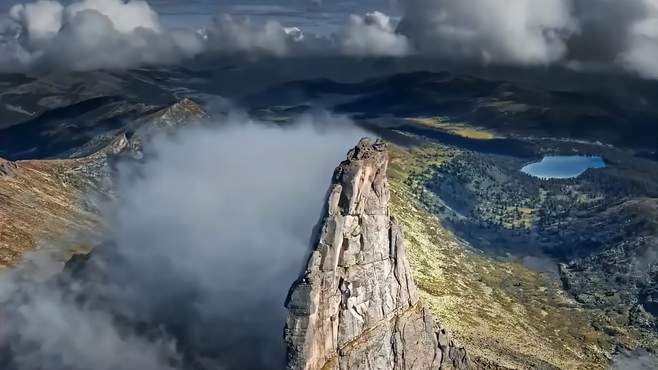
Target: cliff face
[(356, 307)]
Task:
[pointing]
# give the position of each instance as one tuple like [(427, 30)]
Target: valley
[(328, 185), (560, 262), (524, 271), (479, 296)]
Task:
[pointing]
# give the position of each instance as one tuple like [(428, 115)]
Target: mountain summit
[(356, 307)]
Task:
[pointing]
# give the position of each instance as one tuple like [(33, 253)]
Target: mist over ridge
[(200, 249)]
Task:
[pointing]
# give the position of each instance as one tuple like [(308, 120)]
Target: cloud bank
[(229, 35), (115, 34), (514, 31), (373, 35), (90, 34), (525, 32), (206, 238)]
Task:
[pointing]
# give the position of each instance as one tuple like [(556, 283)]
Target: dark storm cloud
[(205, 239)]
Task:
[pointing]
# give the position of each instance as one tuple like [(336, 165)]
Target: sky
[(315, 16), (321, 17)]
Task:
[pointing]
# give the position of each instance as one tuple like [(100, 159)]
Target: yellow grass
[(500, 310), (461, 129), (41, 201)]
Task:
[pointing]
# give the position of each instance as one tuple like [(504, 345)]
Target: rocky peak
[(355, 307), (166, 120), (362, 181), (180, 113), (7, 168)]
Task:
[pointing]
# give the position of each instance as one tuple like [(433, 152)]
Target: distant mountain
[(500, 105), (75, 114), (83, 128), (62, 133), (58, 132), (23, 98)]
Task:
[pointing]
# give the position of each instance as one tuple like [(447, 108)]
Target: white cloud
[(125, 17), (511, 31), (372, 35), (295, 33), (41, 19), (636, 360), (72, 336), (92, 34), (230, 35)]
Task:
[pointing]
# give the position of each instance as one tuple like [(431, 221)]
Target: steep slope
[(23, 98), (356, 306), (86, 127), (46, 199), (43, 200), (480, 292), (50, 199)]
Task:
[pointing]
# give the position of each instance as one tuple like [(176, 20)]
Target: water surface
[(563, 166)]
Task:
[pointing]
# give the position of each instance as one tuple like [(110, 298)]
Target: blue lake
[(562, 167)]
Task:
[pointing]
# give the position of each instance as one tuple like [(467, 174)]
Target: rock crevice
[(355, 306)]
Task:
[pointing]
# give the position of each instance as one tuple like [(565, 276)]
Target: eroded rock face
[(356, 307), (7, 167)]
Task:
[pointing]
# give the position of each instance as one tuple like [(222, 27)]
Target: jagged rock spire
[(356, 307)]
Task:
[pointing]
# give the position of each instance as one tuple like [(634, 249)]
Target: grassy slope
[(43, 200), (461, 129), (499, 310)]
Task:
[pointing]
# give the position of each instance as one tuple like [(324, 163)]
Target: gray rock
[(7, 168), (355, 307)]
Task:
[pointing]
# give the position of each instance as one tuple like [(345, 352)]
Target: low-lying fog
[(207, 236)]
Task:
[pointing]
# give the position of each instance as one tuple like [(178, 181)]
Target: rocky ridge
[(45, 199), (356, 307)]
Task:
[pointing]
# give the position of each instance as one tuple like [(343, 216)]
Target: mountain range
[(434, 249)]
